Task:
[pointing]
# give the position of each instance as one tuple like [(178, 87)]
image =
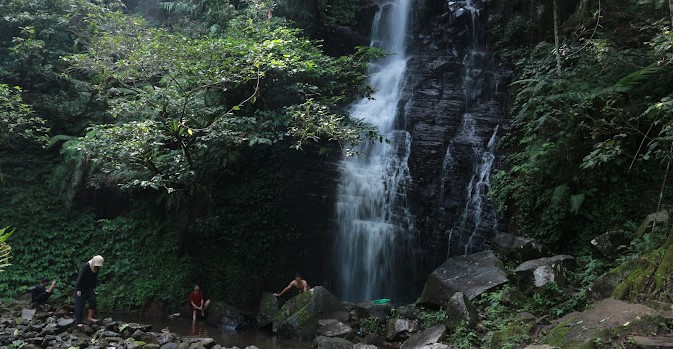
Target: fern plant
[(5, 249)]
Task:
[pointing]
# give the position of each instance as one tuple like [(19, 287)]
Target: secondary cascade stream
[(371, 212)]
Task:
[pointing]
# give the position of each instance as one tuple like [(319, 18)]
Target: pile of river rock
[(21, 327)]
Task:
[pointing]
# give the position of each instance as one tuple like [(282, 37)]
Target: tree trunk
[(556, 37)]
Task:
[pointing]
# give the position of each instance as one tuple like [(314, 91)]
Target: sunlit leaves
[(182, 105), (17, 120), (5, 249)]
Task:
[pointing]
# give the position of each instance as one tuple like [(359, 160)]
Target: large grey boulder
[(424, 339), (322, 342), (400, 328), (472, 275), (542, 271), (366, 310), (268, 308), (298, 318), (517, 248), (460, 312)]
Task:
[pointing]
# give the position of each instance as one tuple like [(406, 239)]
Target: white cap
[(97, 261)]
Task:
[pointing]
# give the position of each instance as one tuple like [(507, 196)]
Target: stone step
[(652, 342)]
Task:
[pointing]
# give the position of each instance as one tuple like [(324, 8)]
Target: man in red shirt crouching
[(198, 302)]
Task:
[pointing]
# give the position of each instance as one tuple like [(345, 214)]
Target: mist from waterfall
[(373, 220)]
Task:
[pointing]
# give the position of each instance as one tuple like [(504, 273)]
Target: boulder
[(472, 275), (365, 310), (651, 342), (400, 328), (653, 218), (364, 346), (542, 271), (322, 342), (343, 315), (65, 323), (424, 339), (460, 312), (516, 248), (607, 243), (170, 346), (604, 286), (323, 322), (27, 314), (298, 318), (268, 308), (409, 311), (580, 330), (334, 329), (228, 317)]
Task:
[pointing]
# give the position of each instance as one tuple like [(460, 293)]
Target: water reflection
[(223, 335)]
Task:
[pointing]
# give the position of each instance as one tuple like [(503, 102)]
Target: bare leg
[(90, 316), (193, 315), (205, 305)]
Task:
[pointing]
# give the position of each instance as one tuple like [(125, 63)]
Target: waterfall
[(478, 221), (373, 220)]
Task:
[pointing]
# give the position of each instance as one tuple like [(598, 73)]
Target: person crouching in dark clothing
[(40, 293), (85, 289)]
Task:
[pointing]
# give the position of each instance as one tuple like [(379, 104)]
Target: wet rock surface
[(455, 101)]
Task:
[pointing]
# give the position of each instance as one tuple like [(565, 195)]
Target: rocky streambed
[(26, 328)]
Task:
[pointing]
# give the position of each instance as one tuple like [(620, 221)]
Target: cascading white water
[(476, 218), (371, 211)]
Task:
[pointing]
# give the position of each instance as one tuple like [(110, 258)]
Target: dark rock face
[(471, 275), (456, 103)]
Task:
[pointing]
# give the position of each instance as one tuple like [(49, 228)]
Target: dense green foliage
[(168, 126), (590, 147)]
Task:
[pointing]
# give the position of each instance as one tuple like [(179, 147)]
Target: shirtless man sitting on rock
[(298, 282)]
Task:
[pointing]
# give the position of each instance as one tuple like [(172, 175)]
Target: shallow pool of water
[(227, 338)]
